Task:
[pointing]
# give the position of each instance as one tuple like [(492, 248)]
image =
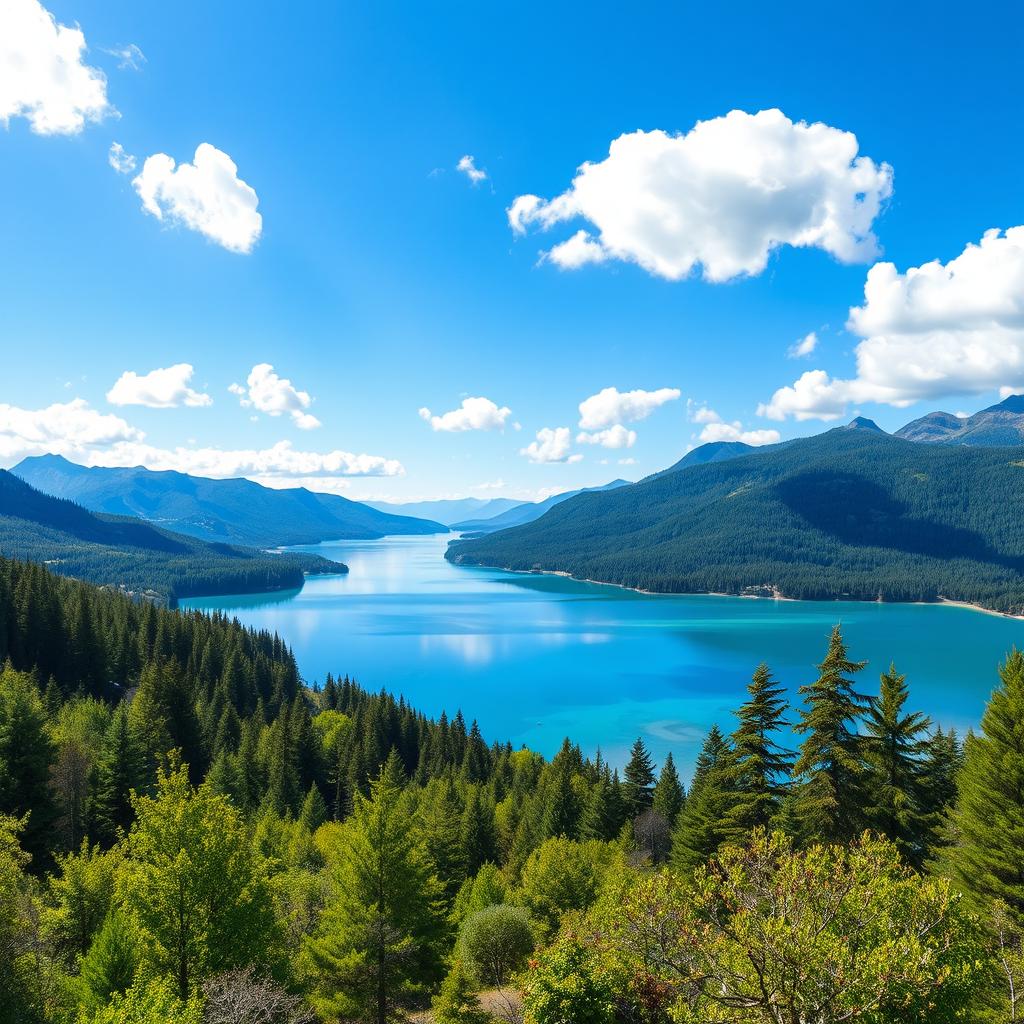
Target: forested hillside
[(851, 513), (221, 511), (526, 512), (135, 556), (188, 833)]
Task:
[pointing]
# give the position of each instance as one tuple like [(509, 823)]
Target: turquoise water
[(536, 658)]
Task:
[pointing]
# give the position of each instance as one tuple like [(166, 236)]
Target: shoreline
[(776, 596)]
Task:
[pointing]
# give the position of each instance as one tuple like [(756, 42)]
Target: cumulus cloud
[(467, 165), (159, 389), (611, 406), (275, 396), (804, 347), (938, 329), (122, 162), (206, 195), (551, 445), (717, 429), (614, 437), (473, 414), (723, 197), (43, 77), (82, 434)]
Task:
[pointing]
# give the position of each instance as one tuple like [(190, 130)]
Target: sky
[(419, 250)]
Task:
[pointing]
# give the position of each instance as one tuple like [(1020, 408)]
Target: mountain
[(450, 510), (137, 556), (712, 451), (225, 511), (1001, 424), (848, 513), (528, 511)]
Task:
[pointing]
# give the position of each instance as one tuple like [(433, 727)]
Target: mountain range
[(448, 510), (1001, 424), (853, 512), (223, 511), (137, 556), (527, 511)]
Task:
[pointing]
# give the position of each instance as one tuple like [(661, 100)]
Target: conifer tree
[(703, 823), (479, 842), (377, 947), (562, 804), (314, 810), (829, 799), (639, 781), (120, 768), (988, 858), (439, 825), (896, 747), (601, 817), (112, 960), (761, 765), (668, 792), (457, 1002)]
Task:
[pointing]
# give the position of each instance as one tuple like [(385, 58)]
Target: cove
[(536, 658)]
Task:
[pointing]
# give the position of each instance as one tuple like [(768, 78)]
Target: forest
[(191, 832), (851, 513), (135, 556)]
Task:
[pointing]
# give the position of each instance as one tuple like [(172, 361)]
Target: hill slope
[(528, 511), (134, 555), (1001, 424), (849, 513), (448, 510), (225, 511)]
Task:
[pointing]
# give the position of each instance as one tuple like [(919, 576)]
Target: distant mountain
[(1001, 425), (134, 555), (450, 510), (848, 513), (528, 511), (225, 511), (712, 451)]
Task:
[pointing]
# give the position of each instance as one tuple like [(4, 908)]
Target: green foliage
[(495, 942), (378, 946), (111, 963), (638, 787), (487, 889), (457, 1002), (565, 986), (194, 886), (149, 1001), (848, 514), (18, 996), (669, 795), (79, 897)]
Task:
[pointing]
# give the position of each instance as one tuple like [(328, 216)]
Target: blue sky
[(384, 281)]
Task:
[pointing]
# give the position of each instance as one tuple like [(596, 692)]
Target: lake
[(536, 658)]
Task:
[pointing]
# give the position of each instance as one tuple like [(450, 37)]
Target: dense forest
[(851, 513), (136, 556), (190, 833)]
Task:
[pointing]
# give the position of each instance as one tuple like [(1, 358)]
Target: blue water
[(536, 658)]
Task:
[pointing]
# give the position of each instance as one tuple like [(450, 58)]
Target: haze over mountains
[(448, 510), (1001, 424), (227, 511), (135, 555), (527, 511)]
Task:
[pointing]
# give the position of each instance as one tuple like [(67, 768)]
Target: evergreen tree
[(703, 823), (120, 769), (602, 813), (988, 858), (562, 804), (112, 960), (479, 842), (639, 781), (896, 747), (761, 765), (457, 1002), (828, 804), (668, 793), (439, 826), (377, 946)]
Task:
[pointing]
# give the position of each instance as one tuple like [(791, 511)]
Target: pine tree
[(479, 842), (703, 823), (639, 781), (120, 768), (668, 793), (457, 1002), (896, 746), (988, 859), (601, 817), (828, 804), (439, 826), (314, 810), (377, 946), (562, 804), (112, 961), (761, 765)]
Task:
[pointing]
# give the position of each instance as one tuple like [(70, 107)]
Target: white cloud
[(206, 196), (473, 414), (613, 437), (552, 445), (130, 57), (723, 197), (717, 429), (804, 347), (122, 162), (467, 165), (68, 428), (159, 389), (275, 396), (576, 252), (611, 406), (939, 329), (42, 75)]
